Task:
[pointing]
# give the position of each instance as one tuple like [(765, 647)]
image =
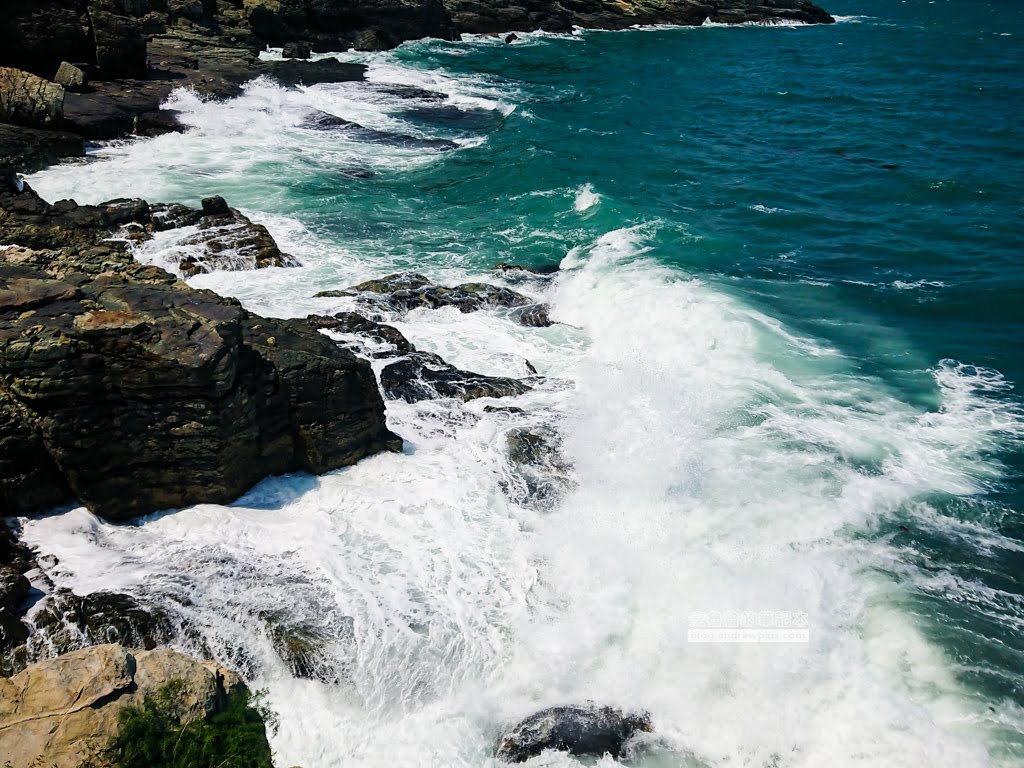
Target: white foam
[(586, 198)]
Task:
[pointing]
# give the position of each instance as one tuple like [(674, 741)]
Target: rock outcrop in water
[(404, 291), (585, 731), (63, 712), (127, 389), (417, 375)]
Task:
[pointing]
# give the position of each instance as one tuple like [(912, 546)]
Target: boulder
[(426, 376), (30, 101), (296, 51), (63, 712), (111, 363), (70, 77), (583, 731)]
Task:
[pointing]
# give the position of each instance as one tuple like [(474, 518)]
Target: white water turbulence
[(717, 464)]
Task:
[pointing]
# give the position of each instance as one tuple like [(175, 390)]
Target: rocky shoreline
[(108, 363), (76, 71)]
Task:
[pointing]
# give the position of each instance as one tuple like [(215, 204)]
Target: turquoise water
[(791, 291)]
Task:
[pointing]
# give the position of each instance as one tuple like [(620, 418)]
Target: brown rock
[(63, 712), (29, 100)]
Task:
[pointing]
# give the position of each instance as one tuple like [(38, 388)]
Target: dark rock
[(67, 622), (299, 72), (340, 24), (511, 37), (411, 92), (30, 101), (306, 647), (387, 341), (358, 173), (157, 122), (111, 363), (297, 51), (425, 376), (110, 108), (487, 17), (70, 77), (36, 35), (541, 474), (30, 148), (584, 731), (532, 316), (547, 269), (120, 44), (405, 291), (322, 121), (215, 206)]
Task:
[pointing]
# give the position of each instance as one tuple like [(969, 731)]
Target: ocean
[(785, 375)]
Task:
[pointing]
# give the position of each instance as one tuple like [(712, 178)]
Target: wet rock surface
[(583, 731), (384, 340), (541, 475), (404, 291), (105, 362), (426, 376)]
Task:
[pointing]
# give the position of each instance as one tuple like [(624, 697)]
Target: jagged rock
[(62, 712), (405, 291), (70, 77), (385, 340), (111, 363), (30, 101), (229, 239), (584, 731), (67, 622), (511, 38), (541, 474), (296, 51), (426, 376)]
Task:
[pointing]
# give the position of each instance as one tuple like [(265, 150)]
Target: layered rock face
[(62, 712), (126, 388)]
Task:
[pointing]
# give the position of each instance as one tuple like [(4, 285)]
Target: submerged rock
[(405, 291), (426, 376), (322, 121), (63, 712), (584, 731), (541, 474)]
